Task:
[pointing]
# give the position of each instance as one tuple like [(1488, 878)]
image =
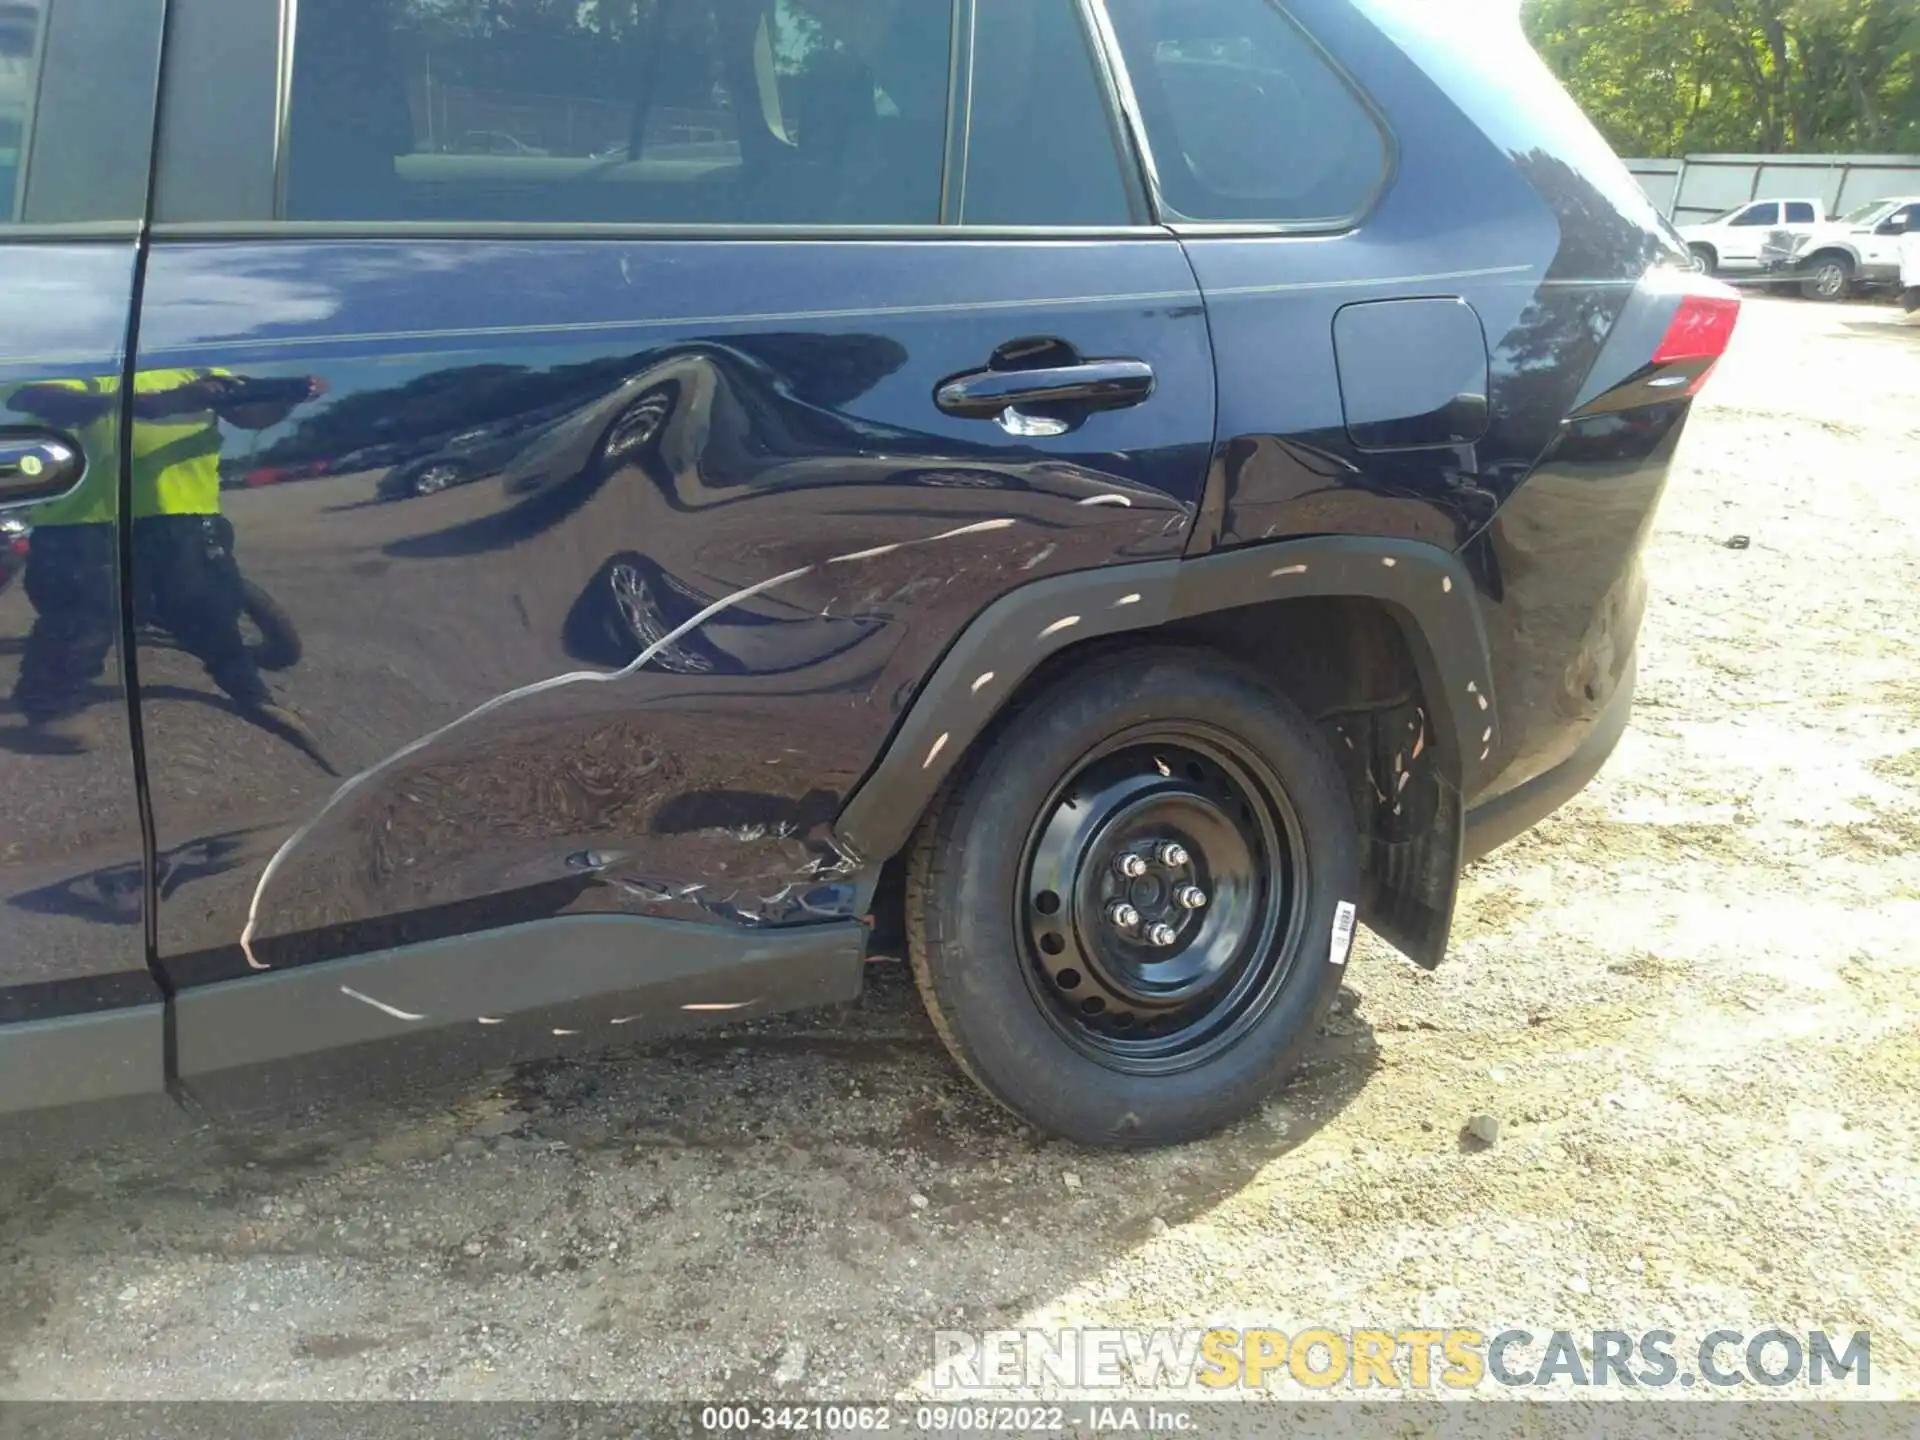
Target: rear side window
[(1245, 117), (1799, 213), (666, 111), (1759, 215), (21, 25), (1042, 149)]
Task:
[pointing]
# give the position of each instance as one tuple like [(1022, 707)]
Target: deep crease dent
[(574, 677)]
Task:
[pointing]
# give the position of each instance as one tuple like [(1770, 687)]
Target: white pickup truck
[(1732, 242), (1860, 249), (1910, 267)]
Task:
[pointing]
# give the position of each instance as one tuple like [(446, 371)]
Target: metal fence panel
[(1700, 187), (1878, 182)]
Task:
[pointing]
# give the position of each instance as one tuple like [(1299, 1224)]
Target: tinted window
[(1042, 149), (1760, 215), (1245, 117), (1905, 219), (678, 111), (20, 31), (1800, 213)]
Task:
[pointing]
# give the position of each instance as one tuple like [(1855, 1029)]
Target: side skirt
[(578, 982), (582, 971)]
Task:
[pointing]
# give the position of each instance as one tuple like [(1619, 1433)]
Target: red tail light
[(1699, 334)]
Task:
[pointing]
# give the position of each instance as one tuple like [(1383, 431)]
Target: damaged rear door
[(571, 443)]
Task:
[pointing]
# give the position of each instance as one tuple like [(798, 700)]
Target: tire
[(1150, 739), (278, 647), (1910, 299), (1829, 277), (1705, 259)]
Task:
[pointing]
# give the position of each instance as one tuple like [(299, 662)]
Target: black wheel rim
[(1137, 1000), (638, 426), (643, 623)]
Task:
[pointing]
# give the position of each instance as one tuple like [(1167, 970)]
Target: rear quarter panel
[(1503, 195)]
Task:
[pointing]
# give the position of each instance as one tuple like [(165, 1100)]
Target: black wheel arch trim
[(1428, 589)]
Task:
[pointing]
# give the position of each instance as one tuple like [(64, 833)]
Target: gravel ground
[(1689, 999)]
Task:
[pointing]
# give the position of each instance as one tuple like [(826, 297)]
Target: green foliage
[(1669, 77)]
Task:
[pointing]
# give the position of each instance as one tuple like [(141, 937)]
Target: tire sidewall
[(279, 646), (980, 968)]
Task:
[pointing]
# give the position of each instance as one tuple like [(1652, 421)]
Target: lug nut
[(1162, 934), (1172, 852), (1131, 866), (1122, 914), (1190, 897)]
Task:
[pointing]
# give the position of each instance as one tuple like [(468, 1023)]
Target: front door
[(77, 83), (1747, 232), (553, 509)]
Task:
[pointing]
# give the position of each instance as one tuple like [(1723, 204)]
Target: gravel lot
[(1690, 999)]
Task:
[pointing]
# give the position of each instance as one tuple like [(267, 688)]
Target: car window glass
[(1042, 149), (1800, 214), (21, 27), (675, 111), (1245, 117), (1760, 215)]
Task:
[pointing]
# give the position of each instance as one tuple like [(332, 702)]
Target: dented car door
[(704, 508)]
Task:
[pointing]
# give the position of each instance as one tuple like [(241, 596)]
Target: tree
[(1665, 77)]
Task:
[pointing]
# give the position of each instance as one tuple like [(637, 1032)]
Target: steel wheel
[(1159, 898), (1115, 783)]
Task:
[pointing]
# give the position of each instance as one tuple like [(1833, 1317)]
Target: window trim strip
[(1123, 103), (250, 230), (953, 164), (283, 101)]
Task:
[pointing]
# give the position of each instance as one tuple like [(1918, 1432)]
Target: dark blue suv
[(541, 523)]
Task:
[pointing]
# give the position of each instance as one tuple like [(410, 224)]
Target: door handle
[(37, 466), (1088, 384)]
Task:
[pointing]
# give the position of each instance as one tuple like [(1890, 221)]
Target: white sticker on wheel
[(1342, 940)]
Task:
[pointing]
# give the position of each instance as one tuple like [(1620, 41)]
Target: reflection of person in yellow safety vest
[(185, 577)]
